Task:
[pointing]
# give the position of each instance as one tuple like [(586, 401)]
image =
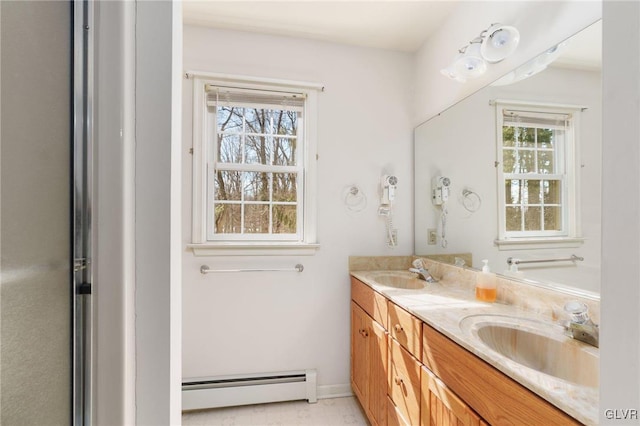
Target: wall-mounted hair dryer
[(388, 194), (440, 190), (388, 184), (439, 196)]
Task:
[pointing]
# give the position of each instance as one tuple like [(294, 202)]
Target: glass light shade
[(538, 64), (450, 72), (551, 54), (532, 67), (470, 64), (528, 69), (499, 42)]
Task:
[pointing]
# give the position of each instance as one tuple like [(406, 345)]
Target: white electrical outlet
[(432, 237), (394, 235)]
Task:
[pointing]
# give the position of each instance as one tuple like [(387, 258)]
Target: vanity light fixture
[(492, 46), (470, 64), (532, 67), (499, 42)]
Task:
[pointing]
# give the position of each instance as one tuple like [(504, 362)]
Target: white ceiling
[(393, 24)]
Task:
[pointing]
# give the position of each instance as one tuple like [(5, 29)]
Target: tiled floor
[(326, 412)]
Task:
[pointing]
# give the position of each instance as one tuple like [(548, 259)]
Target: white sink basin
[(537, 345), (398, 279)]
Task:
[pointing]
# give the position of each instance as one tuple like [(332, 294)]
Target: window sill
[(253, 249), (539, 243)]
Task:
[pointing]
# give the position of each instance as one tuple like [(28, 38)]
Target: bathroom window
[(254, 155), (537, 176)]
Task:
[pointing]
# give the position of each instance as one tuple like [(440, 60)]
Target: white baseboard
[(334, 391), (230, 391)]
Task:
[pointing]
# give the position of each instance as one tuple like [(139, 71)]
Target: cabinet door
[(378, 353), (360, 354), (440, 406)]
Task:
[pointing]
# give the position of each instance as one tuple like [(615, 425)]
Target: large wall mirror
[(507, 172)]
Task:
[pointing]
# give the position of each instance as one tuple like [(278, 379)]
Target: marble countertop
[(443, 306)]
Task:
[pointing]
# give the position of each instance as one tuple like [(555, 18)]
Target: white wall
[(275, 321), (461, 144), (541, 25)]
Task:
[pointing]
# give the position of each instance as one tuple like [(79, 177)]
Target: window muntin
[(535, 178), (255, 168)]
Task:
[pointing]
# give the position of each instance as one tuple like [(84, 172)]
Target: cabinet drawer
[(394, 418), (406, 329), (481, 386), (440, 406), (404, 382), (372, 302)]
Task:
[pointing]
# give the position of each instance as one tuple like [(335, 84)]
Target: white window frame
[(205, 244), (570, 181)]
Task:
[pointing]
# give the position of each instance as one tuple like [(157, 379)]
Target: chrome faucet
[(418, 268), (580, 326)]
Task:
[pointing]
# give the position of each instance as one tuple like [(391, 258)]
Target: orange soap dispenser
[(486, 284)]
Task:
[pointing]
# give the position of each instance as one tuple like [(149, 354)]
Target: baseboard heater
[(246, 389)]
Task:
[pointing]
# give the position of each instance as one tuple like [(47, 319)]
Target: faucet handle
[(579, 311), (417, 263), (580, 327)]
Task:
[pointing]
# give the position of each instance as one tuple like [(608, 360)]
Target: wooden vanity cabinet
[(405, 373), (497, 398), (369, 352)]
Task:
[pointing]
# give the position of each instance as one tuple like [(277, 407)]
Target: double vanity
[(430, 354)]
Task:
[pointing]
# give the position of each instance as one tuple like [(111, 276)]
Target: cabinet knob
[(398, 328), (363, 332), (398, 381)]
